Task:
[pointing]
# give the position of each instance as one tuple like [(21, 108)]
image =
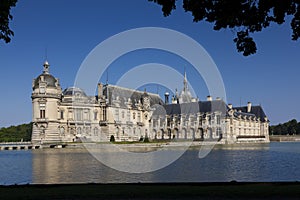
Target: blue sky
[(69, 30)]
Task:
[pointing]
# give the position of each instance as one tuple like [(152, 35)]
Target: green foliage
[(5, 17), (16, 133), (289, 128), (243, 17)]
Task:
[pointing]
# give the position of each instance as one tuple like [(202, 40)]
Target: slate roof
[(255, 110), (195, 107), (71, 91), (48, 78), (113, 92)]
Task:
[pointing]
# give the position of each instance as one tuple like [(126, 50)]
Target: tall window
[(42, 114), (117, 114), (128, 115), (86, 114), (104, 113), (61, 114), (95, 115), (95, 131), (139, 116), (78, 114), (218, 119), (218, 132), (133, 115), (42, 111), (209, 120)]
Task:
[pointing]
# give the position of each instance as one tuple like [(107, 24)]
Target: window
[(218, 119), (62, 130), (95, 115), (104, 113), (133, 115), (61, 114), (139, 117), (78, 114), (42, 110), (86, 115), (128, 115), (95, 131), (42, 114), (209, 120), (218, 132), (123, 114), (78, 130)]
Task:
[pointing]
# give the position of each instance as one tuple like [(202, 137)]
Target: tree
[(5, 17), (16, 133), (244, 17), (291, 127)]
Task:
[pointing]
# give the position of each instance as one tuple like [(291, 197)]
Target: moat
[(252, 162)]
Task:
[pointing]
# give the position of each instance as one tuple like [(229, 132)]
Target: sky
[(65, 32)]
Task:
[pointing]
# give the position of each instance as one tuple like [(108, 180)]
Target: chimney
[(167, 98), (100, 90), (209, 98), (230, 106), (249, 107)]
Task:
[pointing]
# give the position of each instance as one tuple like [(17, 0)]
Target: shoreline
[(284, 138), (147, 146)]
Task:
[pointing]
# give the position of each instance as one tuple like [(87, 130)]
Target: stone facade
[(130, 115)]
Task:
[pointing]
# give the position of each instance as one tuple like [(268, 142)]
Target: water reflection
[(224, 163), (76, 166)]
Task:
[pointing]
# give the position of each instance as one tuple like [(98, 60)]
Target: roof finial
[(46, 67)]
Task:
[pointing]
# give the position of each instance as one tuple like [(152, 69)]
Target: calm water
[(259, 162)]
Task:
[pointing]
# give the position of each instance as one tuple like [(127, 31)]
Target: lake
[(276, 161)]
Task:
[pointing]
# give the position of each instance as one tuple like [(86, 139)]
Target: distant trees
[(291, 127), (243, 17), (5, 17), (16, 133)]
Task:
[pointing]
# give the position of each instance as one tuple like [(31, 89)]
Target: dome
[(48, 78), (73, 91)]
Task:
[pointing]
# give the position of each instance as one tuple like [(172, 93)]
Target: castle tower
[(46, 97)]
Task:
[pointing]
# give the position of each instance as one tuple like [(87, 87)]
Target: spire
[(185, 95), (185, 85), (46, 67)]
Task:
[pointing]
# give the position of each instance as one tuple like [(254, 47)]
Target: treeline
[(16, 133), (291, 127)]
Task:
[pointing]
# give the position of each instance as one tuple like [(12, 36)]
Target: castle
[(129, 115)]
